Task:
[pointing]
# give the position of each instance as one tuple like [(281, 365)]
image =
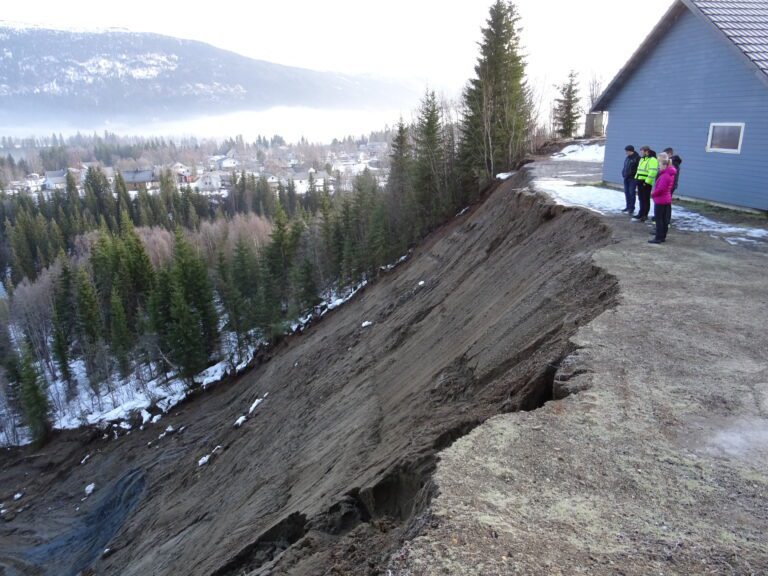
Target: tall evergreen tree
[(120, 335), (34, 400), (429, 184), (567, 110), (400, 224), (497, 105), (187, 340)]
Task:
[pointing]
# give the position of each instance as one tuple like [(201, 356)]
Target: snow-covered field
[(581, 153), (609, 201)]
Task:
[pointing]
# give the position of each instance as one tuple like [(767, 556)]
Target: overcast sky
[(429, 41)]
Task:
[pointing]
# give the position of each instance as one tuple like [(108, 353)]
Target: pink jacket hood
[(662, 191)]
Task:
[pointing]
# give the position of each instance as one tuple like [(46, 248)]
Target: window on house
[(725, 137)]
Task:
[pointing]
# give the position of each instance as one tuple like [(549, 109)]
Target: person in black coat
[(628, 173)]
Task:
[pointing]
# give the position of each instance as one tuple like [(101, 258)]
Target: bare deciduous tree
[(595, 90)]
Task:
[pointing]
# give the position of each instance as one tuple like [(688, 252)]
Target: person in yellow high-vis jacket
[(646, 174)]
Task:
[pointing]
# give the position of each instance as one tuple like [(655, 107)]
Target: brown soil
[(658, 466), (335, 469)]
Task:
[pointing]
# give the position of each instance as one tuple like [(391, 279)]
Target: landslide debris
[(334, 469)]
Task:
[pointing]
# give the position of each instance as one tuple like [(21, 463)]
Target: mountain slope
[(116, 75)]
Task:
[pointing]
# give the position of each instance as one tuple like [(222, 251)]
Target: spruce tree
[(429, 184), (119, 332), (186, 336), (64, 318), (497, 105), (191, 274), (399, 187), (34, 401), (567, 110)]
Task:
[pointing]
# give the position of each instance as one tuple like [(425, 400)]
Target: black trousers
[(663, 213), (644, 196)]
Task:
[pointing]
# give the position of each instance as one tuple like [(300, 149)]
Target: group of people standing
[(647, 177)]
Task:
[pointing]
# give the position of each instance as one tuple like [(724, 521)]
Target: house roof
[(138, 176), (742, 23)]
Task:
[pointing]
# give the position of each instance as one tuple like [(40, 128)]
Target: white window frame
[(712, 126)]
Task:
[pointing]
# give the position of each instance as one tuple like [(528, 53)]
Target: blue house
[(698, 84)]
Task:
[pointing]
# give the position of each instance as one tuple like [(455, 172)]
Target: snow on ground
[(502, 176), (609, 201), (240, 421), (18, 496), (205, 459), (118, 400), (581, 153), (602, 200), (212, 374), (255, 405), (366, 324), (89, 489)]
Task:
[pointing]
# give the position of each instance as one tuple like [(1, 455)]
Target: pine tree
[(497, 106), (34, 400), (567, 110)]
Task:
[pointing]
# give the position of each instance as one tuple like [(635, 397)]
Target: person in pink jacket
[(662, 198)]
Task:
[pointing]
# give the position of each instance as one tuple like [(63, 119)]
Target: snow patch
[(256, 404), (608, 201), (503, 176), (84, 460), (366, 324), (18, 496), (582, 153), (89, 489), (145, 417), (211, 375), (240, 421)]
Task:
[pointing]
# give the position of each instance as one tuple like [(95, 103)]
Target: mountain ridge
[(115, 75)]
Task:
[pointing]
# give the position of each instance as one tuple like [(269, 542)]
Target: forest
[(108, 288)]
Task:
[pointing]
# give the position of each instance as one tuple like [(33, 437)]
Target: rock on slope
[(333, 469)]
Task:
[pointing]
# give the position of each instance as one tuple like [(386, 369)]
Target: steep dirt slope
[(659, 467), (336, 463)]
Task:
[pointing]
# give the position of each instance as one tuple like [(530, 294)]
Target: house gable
[(687, 79)]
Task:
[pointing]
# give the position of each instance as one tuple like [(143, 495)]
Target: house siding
[(690, 79)]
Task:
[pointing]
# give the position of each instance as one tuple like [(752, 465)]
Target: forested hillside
[(111, 292)]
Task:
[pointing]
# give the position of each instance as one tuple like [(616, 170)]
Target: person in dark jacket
[(628, 173), (676, 161)]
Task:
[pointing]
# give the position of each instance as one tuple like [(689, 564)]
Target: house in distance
[(698, 84)]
